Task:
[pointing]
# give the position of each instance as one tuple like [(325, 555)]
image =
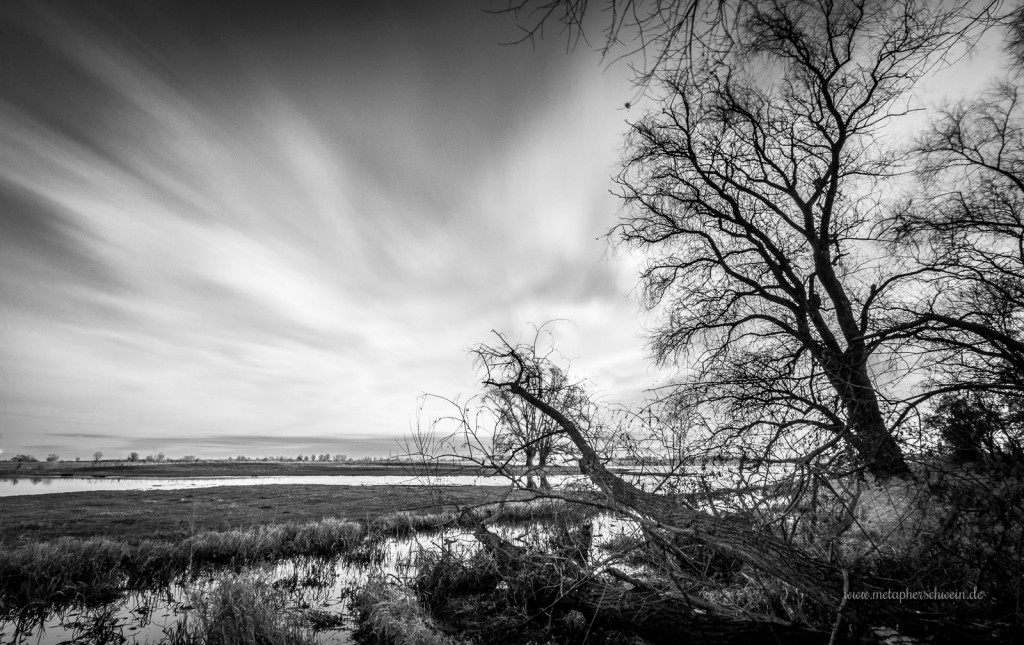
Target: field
[(67, 554), (129, 469), (132, 516)]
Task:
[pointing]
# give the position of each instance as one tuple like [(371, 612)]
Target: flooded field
[(314, 590), (312, 593)]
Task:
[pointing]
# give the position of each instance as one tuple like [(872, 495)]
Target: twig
[(842, 607)]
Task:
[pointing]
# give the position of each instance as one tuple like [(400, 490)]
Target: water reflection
[(48, 485), (318, 590)]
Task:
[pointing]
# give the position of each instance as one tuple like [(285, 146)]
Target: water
[(719, 474), (10, 487), (316, 589)]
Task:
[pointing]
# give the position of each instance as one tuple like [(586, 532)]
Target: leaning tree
[(760, 190)]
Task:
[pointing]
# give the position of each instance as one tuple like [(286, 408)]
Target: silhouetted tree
[(753, 198), (964, 232), (523, 434)]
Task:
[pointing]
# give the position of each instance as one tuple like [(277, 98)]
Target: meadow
[(133, 516)]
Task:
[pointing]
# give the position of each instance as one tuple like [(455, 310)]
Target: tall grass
[(36, 577), (392, 615), (240, 611), (405, 523)]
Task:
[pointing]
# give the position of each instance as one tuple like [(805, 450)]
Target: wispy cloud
[(289, 244)]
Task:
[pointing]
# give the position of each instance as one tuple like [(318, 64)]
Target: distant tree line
[(137, 457)]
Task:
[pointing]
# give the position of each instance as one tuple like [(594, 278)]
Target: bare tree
[(964, 229), (757, 193), (754, 191), (661, 34), (666, 518), (522, 430)]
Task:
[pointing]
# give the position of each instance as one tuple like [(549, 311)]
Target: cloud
[(218, 239)]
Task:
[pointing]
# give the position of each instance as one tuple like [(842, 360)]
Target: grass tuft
[(240, 611), (392, 615)]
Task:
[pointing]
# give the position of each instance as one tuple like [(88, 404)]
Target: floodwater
[(10, 487), (317, 590), (310, 588)]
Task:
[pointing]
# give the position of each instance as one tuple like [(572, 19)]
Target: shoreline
[(213, 469)]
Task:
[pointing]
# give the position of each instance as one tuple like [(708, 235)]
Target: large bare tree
[(758, 191), (754, 191)]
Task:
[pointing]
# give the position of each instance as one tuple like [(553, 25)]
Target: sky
[(268, 228), (265, 228)]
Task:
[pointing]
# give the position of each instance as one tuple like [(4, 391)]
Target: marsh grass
[(41, 579), (37, 578), (404, 523), (454, 569), (240, 611), (392, 615)]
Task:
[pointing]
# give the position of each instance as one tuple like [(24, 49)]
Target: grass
[(135, 516), (514, 511), (113, 468), (240, 611), (392, 615), (37, 577), (88, 548)]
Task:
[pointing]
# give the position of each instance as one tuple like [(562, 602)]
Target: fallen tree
[(613, 599), (821, 572)]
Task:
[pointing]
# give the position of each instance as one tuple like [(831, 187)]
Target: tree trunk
[(656, 616), (866, 430), (531, 483), (542, 463), (731, 536)]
